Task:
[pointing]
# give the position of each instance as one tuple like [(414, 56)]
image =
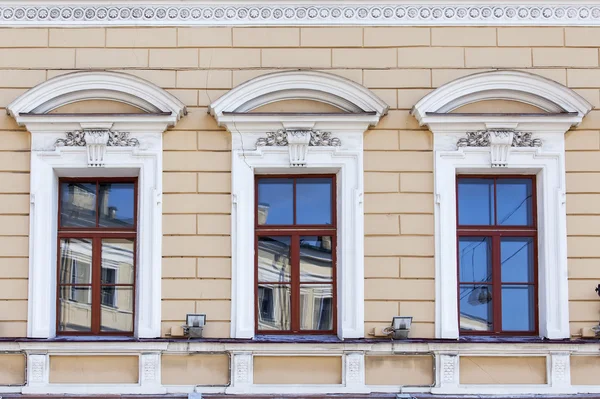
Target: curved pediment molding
[(346, 95), (84, 86), (523, 87)]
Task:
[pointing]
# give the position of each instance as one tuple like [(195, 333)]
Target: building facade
[(300, 174)]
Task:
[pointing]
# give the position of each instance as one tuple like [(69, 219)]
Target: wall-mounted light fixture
[(598, 290), (194, 324), (401, 326)]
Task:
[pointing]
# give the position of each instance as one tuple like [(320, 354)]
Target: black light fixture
[(598, 290)]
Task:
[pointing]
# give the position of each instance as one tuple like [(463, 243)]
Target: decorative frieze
[(355, 369), (96, 141), (102, 13), (298, 141), (500, 142), (37, 369)]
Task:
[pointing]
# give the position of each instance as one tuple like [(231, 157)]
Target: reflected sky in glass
[(475, 259), (516, 254), (518, 308), (116, 205), (475, 202), (514, 198), (313, 201)]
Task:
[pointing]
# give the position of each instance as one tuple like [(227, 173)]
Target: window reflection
[(115, 205), (274, 307), (476, 308), (316, 307), (275, 201), (313, 201), (274, 259), (75, 308), (78, 205), (316, 264), (116, 313)]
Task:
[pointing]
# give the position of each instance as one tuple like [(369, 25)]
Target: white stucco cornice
[(348, 96), (307, 12), (82, 86), (562, 104)]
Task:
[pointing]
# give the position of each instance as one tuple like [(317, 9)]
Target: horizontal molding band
[(30, 13)]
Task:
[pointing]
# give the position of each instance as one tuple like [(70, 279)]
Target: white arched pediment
[(83, 86), (523, 87), (348, 96)]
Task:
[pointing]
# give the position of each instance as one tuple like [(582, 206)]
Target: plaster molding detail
[(37, 369), (355, 370), (150, 369), (96, 141), (524, 87), (560, 370), (170, 13), (500, 142), (298, 141), (96, 85), (350, 97)]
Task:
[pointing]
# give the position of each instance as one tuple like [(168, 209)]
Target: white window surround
[(49, 162), (564, 109), (359, 109)]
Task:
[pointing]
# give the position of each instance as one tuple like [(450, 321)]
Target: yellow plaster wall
[(399, 370), (297, 370), (12, 368), (502, 370), (94, 369), (400, 64), (585, 370), (195, 369)]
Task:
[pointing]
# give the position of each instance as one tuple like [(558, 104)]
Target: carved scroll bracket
[(96, 141), (500, 141), (298, 141)]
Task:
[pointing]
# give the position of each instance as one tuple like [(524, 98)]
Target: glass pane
[(78, 204), (116, 205), (116, 313), (316, 307), (475, 259), (75, 261), (274, 259), (117, 261), (316, 263), (313, 201), (275, 201), (75, 308), (515, 202), (274, 311), (518, 308), (475, 202), (516, 259), (476, 312)]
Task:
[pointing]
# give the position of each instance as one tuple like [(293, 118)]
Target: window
[(295, 254), (497, 267), (96, 250)]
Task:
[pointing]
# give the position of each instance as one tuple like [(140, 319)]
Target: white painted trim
[(362, 108), (446, 357), (293, 85), (546, 162), (310, 12), (80, 86), (347, 163), (501, 85), (49, 162)]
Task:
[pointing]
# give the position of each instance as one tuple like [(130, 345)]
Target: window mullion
[(496, 284), (295, 280), (96, 287)]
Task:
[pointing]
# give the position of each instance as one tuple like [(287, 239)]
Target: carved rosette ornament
[(500, 142), (96, 141), (298, 141)]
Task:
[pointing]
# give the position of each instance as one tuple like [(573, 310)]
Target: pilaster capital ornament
[(96, 141), (500, 141), (298, 141)]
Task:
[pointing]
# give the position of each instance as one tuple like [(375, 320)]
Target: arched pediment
[(527, 88), (345, 95), (105, 86)]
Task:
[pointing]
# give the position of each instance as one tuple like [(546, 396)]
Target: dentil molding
[(119, 13)]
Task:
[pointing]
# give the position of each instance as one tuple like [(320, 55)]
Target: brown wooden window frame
[(294, 231), (96, 235), (496, 232)]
